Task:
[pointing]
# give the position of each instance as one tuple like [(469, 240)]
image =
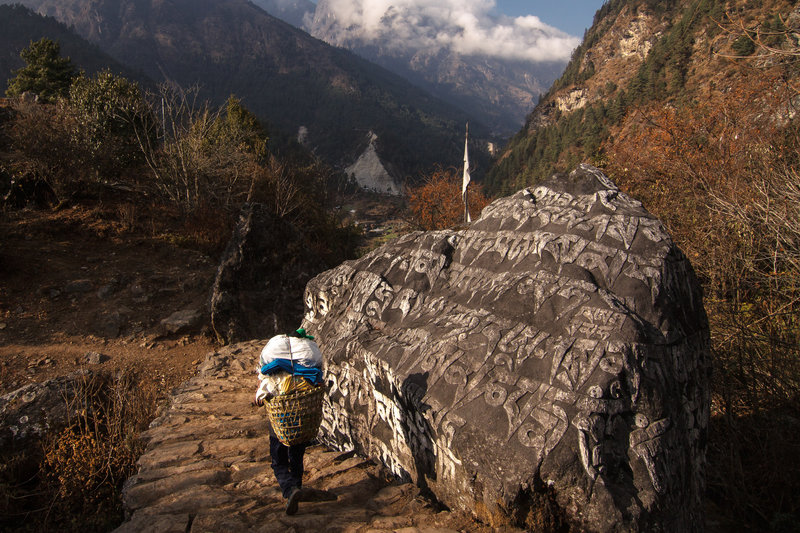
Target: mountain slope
[(291, 11), (281, 73), (691, 108), (19, 27), (637, 53)]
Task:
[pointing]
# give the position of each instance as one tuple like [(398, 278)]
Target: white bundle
[(302, 351)]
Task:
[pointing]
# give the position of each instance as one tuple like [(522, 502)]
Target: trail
[(206, 468)]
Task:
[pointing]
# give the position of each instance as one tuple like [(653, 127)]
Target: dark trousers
[(287, 463)]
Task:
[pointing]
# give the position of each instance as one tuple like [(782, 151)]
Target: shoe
[(292, 501)]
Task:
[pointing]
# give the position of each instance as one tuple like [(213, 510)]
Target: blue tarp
[(312, 374)]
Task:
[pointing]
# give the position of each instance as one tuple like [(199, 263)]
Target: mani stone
[(546, 364), (259, 284)]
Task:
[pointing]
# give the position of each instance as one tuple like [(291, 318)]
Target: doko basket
[(296, 416)]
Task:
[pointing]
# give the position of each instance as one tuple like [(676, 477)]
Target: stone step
[(207, 468)]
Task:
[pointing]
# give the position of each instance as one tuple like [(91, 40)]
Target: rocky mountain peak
[(452, 61)]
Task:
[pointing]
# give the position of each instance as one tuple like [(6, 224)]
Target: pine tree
[(45, 74)]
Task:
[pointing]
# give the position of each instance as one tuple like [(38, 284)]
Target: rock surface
[(370, 173), (549, 362), (182, 321), (259, 284), (206, 468), (38, 409)]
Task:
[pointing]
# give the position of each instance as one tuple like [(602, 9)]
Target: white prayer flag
[(466, 179)]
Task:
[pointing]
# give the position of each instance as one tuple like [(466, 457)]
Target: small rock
[(393, 523), (79, 286), (105, 291), (110, 324), (3, 325), (96, 358), (55, 293), (42, 361), (181, 321)]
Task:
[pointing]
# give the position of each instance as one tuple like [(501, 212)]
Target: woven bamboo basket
[(296, 416)]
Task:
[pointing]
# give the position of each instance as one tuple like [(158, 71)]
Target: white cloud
[(468, 27)]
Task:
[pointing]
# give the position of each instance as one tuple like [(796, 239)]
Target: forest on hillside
[(83, 134), (19, 26)]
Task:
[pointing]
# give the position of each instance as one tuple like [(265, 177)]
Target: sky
[(513, 30), (571, 16)]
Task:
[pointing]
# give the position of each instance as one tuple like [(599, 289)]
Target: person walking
[(288, 363)]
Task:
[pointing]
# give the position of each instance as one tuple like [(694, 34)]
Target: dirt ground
[(88, 287), (80, 288)]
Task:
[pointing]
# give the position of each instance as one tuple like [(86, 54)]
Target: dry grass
[(72, 481)]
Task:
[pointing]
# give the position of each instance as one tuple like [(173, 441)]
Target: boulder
[(259, 284), (547, 364), (35, 410), (182, 321)]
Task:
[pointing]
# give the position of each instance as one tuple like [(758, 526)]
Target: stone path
[(206, 468)]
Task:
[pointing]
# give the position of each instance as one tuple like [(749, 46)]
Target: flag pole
[(466, 179)]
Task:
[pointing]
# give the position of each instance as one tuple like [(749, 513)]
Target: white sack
[(302, 351)]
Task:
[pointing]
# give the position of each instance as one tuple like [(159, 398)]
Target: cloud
[(468, 27)]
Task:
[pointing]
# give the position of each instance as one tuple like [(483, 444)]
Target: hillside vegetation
[(690, 106)]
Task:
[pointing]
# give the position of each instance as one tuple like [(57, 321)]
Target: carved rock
[(549, 362), (259, 284)]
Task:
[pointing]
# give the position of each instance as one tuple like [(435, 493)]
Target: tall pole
[(466, 179)]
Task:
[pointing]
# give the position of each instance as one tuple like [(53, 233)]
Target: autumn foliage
[(437, 203), (723, 175)]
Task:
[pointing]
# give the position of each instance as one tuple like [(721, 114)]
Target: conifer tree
[(45, 74)]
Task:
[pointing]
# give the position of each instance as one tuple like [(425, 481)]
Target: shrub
[(723, 176), (744, 45), (107, 112), (73, 481), (40, 146), (438, 204)]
